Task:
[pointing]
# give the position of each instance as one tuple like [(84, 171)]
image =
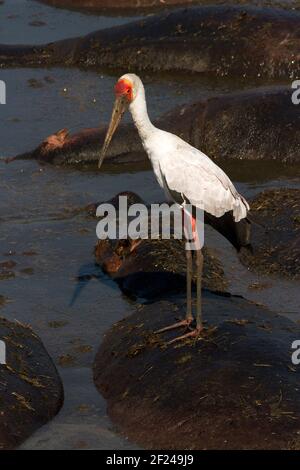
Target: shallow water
[(44, 232), (29, 22)]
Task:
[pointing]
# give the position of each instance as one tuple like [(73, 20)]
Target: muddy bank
[(235, 383), (152, 268), (276, 233), (218, 40), (30, 389), (260, 124)]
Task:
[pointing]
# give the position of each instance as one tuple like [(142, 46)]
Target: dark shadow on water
[(86, 273)]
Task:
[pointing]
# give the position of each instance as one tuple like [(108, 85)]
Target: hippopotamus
[(261, 124), (223, 41), (276, 235), (117, 5), (152, 268)]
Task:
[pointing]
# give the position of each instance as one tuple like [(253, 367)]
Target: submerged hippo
[(236, 388), (220, 40), (151, 268), (260, 124), (276, 235), (131, 5)]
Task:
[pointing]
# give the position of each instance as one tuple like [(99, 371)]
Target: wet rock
[(31, 391), (218, 40), (261, 124), (234, 388), (275, 234)]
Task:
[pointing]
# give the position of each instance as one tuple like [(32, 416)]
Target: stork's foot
[(186, 322), (195, 333)]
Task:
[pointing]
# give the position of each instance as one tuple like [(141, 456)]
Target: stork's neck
[(138, 109)]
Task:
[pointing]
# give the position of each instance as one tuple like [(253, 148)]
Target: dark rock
[(214, 40), (31, 391), (233, 388)]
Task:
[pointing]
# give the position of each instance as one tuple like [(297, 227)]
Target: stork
[(186, 175)]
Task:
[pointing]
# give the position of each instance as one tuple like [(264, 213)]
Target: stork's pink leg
[(199, 268), (190, 334), (189, 316)]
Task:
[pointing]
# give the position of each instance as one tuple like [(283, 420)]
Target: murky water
[(51, 241), (29, 22)]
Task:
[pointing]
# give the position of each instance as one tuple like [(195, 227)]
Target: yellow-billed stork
[(187, 176)]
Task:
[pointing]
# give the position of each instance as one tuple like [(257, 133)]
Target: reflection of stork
[(187, 176)]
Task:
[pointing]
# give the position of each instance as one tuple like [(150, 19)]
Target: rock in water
[(31, 392), (235, 388)]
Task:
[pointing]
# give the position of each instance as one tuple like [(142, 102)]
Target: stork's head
[(126, 91)]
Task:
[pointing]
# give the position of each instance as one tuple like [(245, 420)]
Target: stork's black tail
[(237, 233)]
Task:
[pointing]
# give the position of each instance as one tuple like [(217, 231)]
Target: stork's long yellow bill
[(120, 106)]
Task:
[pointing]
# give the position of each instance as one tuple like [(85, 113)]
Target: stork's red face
[(124, 88), (124, 96)]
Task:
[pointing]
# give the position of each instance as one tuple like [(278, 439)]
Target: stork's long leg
[(199, 272), (189, 275), (189, 316), (199, 325)]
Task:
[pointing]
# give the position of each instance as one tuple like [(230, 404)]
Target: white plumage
[(181, 168)]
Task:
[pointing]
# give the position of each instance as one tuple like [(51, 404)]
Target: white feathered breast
[(191, 173)]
